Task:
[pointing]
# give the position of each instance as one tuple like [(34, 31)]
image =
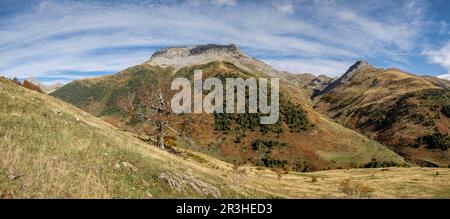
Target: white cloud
[(440, 56), (445, 76)]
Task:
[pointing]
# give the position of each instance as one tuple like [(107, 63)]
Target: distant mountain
[(409, 113), (45, 88), (303, 140), (309, 81)]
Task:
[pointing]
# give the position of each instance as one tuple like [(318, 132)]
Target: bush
[(377, 164), (435, 141), (267, 146), (446, 110), (355, 189), (274, 163), (223, 121), (328, 98), (295, 117)]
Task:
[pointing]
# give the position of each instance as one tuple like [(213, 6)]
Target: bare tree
[(161, 118)]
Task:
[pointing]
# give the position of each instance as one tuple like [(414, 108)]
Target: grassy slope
[(50, 149), (327, 145), (57, 150)]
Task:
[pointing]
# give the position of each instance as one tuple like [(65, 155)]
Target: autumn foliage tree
[(28, 85), (31, 86)]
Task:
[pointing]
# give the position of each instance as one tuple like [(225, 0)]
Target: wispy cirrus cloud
[(226, 2), (332, 68), (285, 7), (54, 36)]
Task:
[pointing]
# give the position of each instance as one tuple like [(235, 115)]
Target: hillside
[(51, 149), (303, 140), (404, 111), (309, 82), (438, 81)]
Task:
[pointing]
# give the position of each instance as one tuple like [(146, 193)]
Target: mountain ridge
[(393, 107)]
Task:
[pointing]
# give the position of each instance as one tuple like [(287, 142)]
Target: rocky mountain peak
[(360, 64), (355, 68), (348, 75), (211, 50), (179, 57)]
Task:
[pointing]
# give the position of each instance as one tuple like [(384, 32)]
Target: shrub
[(446, 110), (274, 163), (267, 146), (328, 98), (377, 164), (355, 189), (435, 141), (223, 121), (295, 117)]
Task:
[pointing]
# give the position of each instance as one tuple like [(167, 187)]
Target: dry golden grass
[(413, 182), (50, 149)]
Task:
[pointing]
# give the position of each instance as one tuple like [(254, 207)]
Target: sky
[(62, 40)]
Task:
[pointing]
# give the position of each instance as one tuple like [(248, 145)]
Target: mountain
[(45, 88), (311, 83), (303, 139), (409, 113), (52, 87)]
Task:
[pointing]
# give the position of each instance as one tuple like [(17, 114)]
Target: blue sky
[(66, 40)]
